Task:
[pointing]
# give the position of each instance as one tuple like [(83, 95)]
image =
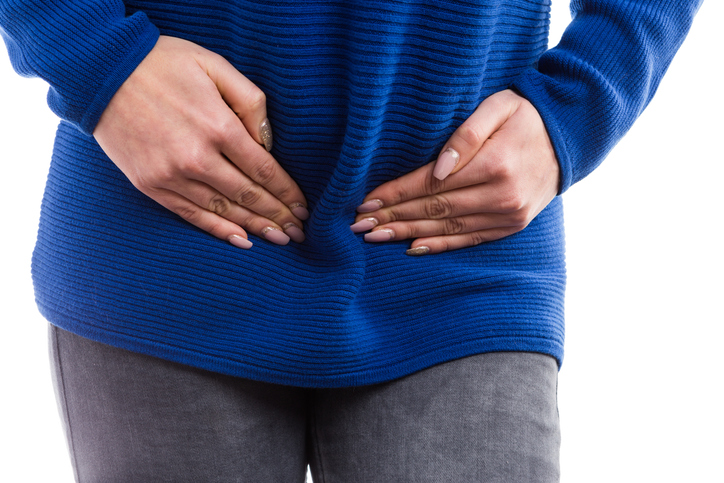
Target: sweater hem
[(374, 375)]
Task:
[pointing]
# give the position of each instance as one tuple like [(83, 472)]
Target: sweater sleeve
[(592, 86), (85, 50)]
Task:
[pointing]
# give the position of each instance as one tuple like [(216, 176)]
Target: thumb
[(244, 98), (469, 138)]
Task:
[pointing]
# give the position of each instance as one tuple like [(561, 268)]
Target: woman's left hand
[(493, 176)]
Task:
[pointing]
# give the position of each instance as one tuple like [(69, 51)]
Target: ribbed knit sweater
[(359, 93)]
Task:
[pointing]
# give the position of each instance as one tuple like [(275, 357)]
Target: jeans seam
[(63, 395), (315, 437)]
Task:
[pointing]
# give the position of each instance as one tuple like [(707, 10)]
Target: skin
[(506, 175), (185, 129)]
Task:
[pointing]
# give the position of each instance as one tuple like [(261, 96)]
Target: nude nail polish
[(266, 134), (368, 206), (275, 235), (418, 251), (382, 235), (446, 163), (299, 210), (364, 225), (294, 232), (240, 242)]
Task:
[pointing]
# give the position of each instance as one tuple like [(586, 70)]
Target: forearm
[(592, 86)]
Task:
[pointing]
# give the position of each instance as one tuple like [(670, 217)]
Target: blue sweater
[(359, 93)]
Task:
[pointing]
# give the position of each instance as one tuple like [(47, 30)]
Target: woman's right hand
[(186, 128)]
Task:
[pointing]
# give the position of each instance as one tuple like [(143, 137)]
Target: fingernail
[(266, 134), (240, 242), (417, 251), (446, 163), (294, 232), (275, 236), (299, 210), (371, 205), (382, 235), (364, 225)]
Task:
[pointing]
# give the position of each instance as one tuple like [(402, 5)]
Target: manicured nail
[(266, 134), (382, 235), (446, 163), (368, 206), (364, 225), (299, 210), (275, 236), (294, 232), (240, 242), (417, 251)]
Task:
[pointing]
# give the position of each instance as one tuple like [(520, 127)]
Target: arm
[(181, 123), (85, 50), (512, 156), (590, 88)]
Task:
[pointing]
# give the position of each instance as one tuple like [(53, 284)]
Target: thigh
[(486, 418), (130, 417)]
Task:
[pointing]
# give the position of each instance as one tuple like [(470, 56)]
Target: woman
[(359, 99)]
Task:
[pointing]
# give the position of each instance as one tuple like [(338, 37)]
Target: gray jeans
[(133, 418)]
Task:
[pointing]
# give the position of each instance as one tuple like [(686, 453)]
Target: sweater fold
[(358, 93)]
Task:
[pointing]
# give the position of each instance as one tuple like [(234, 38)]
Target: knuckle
[(195, 165), (437, 207), (225, 129), (398, 192), (189, 213), (445, 244), (432, 185), (143, 183), (469, 134), (453, 226), (408, 231), (264, 173), (511, 202), (389, 216), (500, 167), (520, 219), (219, 204), (477, 238), (215, 228), (157, 178), (249, 195), (163, 177), (256, 99)]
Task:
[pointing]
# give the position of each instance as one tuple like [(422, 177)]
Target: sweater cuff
[(85, 50), (538, 90), (115, 78), (101, 69)]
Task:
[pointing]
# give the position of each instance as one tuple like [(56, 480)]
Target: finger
[(483, 198), (228, 180), (466, 144), (244, 98), (208, 199), (469, 138), (203, 219), (440, 244), (446, 226), (261, 167), (419, 184)]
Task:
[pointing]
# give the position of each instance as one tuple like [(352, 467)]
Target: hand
[(188, 130), (494, 175)]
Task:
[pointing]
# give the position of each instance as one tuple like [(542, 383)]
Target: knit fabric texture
[(359, 93)]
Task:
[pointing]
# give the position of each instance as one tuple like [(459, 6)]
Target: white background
[(640, 392)]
